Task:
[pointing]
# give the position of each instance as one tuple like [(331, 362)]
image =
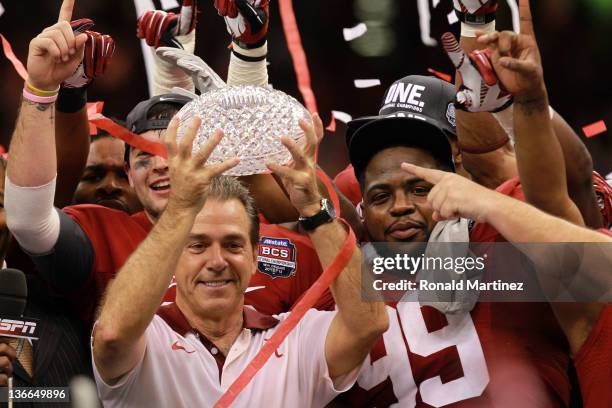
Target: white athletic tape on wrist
[(31, 217), (167, 75), (242, 72), (469, 30)]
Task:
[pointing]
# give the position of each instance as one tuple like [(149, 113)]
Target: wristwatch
[(326, 214)]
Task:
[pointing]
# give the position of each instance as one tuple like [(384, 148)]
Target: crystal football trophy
[(253, 119)]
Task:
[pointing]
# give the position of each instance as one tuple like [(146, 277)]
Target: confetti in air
[(354, 32), (441, 75), (594, 129), (366, 83)]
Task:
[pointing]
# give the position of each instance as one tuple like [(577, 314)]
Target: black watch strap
[(325, 215), (475, 19)]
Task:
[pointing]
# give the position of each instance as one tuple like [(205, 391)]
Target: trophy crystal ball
[(253, 119)]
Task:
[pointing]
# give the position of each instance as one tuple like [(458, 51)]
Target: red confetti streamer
[(285, 327), (298, 56), (594, 129), (134, 140), (10, 55), (332, 124), (441, 75), (92, 109)]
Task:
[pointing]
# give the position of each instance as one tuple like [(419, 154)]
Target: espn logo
[(21, 329)]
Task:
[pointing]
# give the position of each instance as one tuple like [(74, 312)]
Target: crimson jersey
[(594, 363), (114, 235), (349, 186), (594, 360)]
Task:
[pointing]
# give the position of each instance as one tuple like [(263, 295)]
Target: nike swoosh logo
[(176, 346), (253, 288)]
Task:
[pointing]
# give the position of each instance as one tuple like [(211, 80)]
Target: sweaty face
[(217, 262), (104, 180), (149, 177), (395, 202)]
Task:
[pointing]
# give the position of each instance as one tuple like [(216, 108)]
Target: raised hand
[(159, 28), (55, 54), (99, 50), (246, 20), (189, 173), (516, 58), (480, 90), (299, 177)]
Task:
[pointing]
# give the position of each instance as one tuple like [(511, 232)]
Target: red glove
[(99, 50), (246, 20), (160, 28)]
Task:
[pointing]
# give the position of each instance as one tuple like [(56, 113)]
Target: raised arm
[(52, 57), (159, 28), (540, 160), (358, 324), (29, 190), (138, 289), (71, 124), (454, 196), (477, 131)]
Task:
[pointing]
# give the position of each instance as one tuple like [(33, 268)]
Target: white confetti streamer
[(342, 116), (1, 9), (354, 32), (609, 176), (425, 23), (452, 17), (169, 4), (516, 18), (366, 83)]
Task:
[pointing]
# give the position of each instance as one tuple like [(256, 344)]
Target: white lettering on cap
[(406, 93)]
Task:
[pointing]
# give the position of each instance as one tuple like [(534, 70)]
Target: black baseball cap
[(417, 111), (137, 121)]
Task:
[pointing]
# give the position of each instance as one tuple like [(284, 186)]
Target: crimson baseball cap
[(417, 111), (137, 121)]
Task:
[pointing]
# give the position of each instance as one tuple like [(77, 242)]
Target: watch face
[(329, 207)]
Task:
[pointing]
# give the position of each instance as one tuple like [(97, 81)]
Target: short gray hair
[(226, 188)]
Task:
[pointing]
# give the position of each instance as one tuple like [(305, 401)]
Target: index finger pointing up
[(65, 13), (526, 19)]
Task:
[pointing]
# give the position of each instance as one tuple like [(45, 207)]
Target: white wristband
[(469, 30), (243, 72), (30, 216)]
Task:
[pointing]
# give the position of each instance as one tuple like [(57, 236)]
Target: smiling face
[(104, 180), (217, 262), (395, 203), (149, 177)]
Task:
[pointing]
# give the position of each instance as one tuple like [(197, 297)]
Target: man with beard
[(427, 357)]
